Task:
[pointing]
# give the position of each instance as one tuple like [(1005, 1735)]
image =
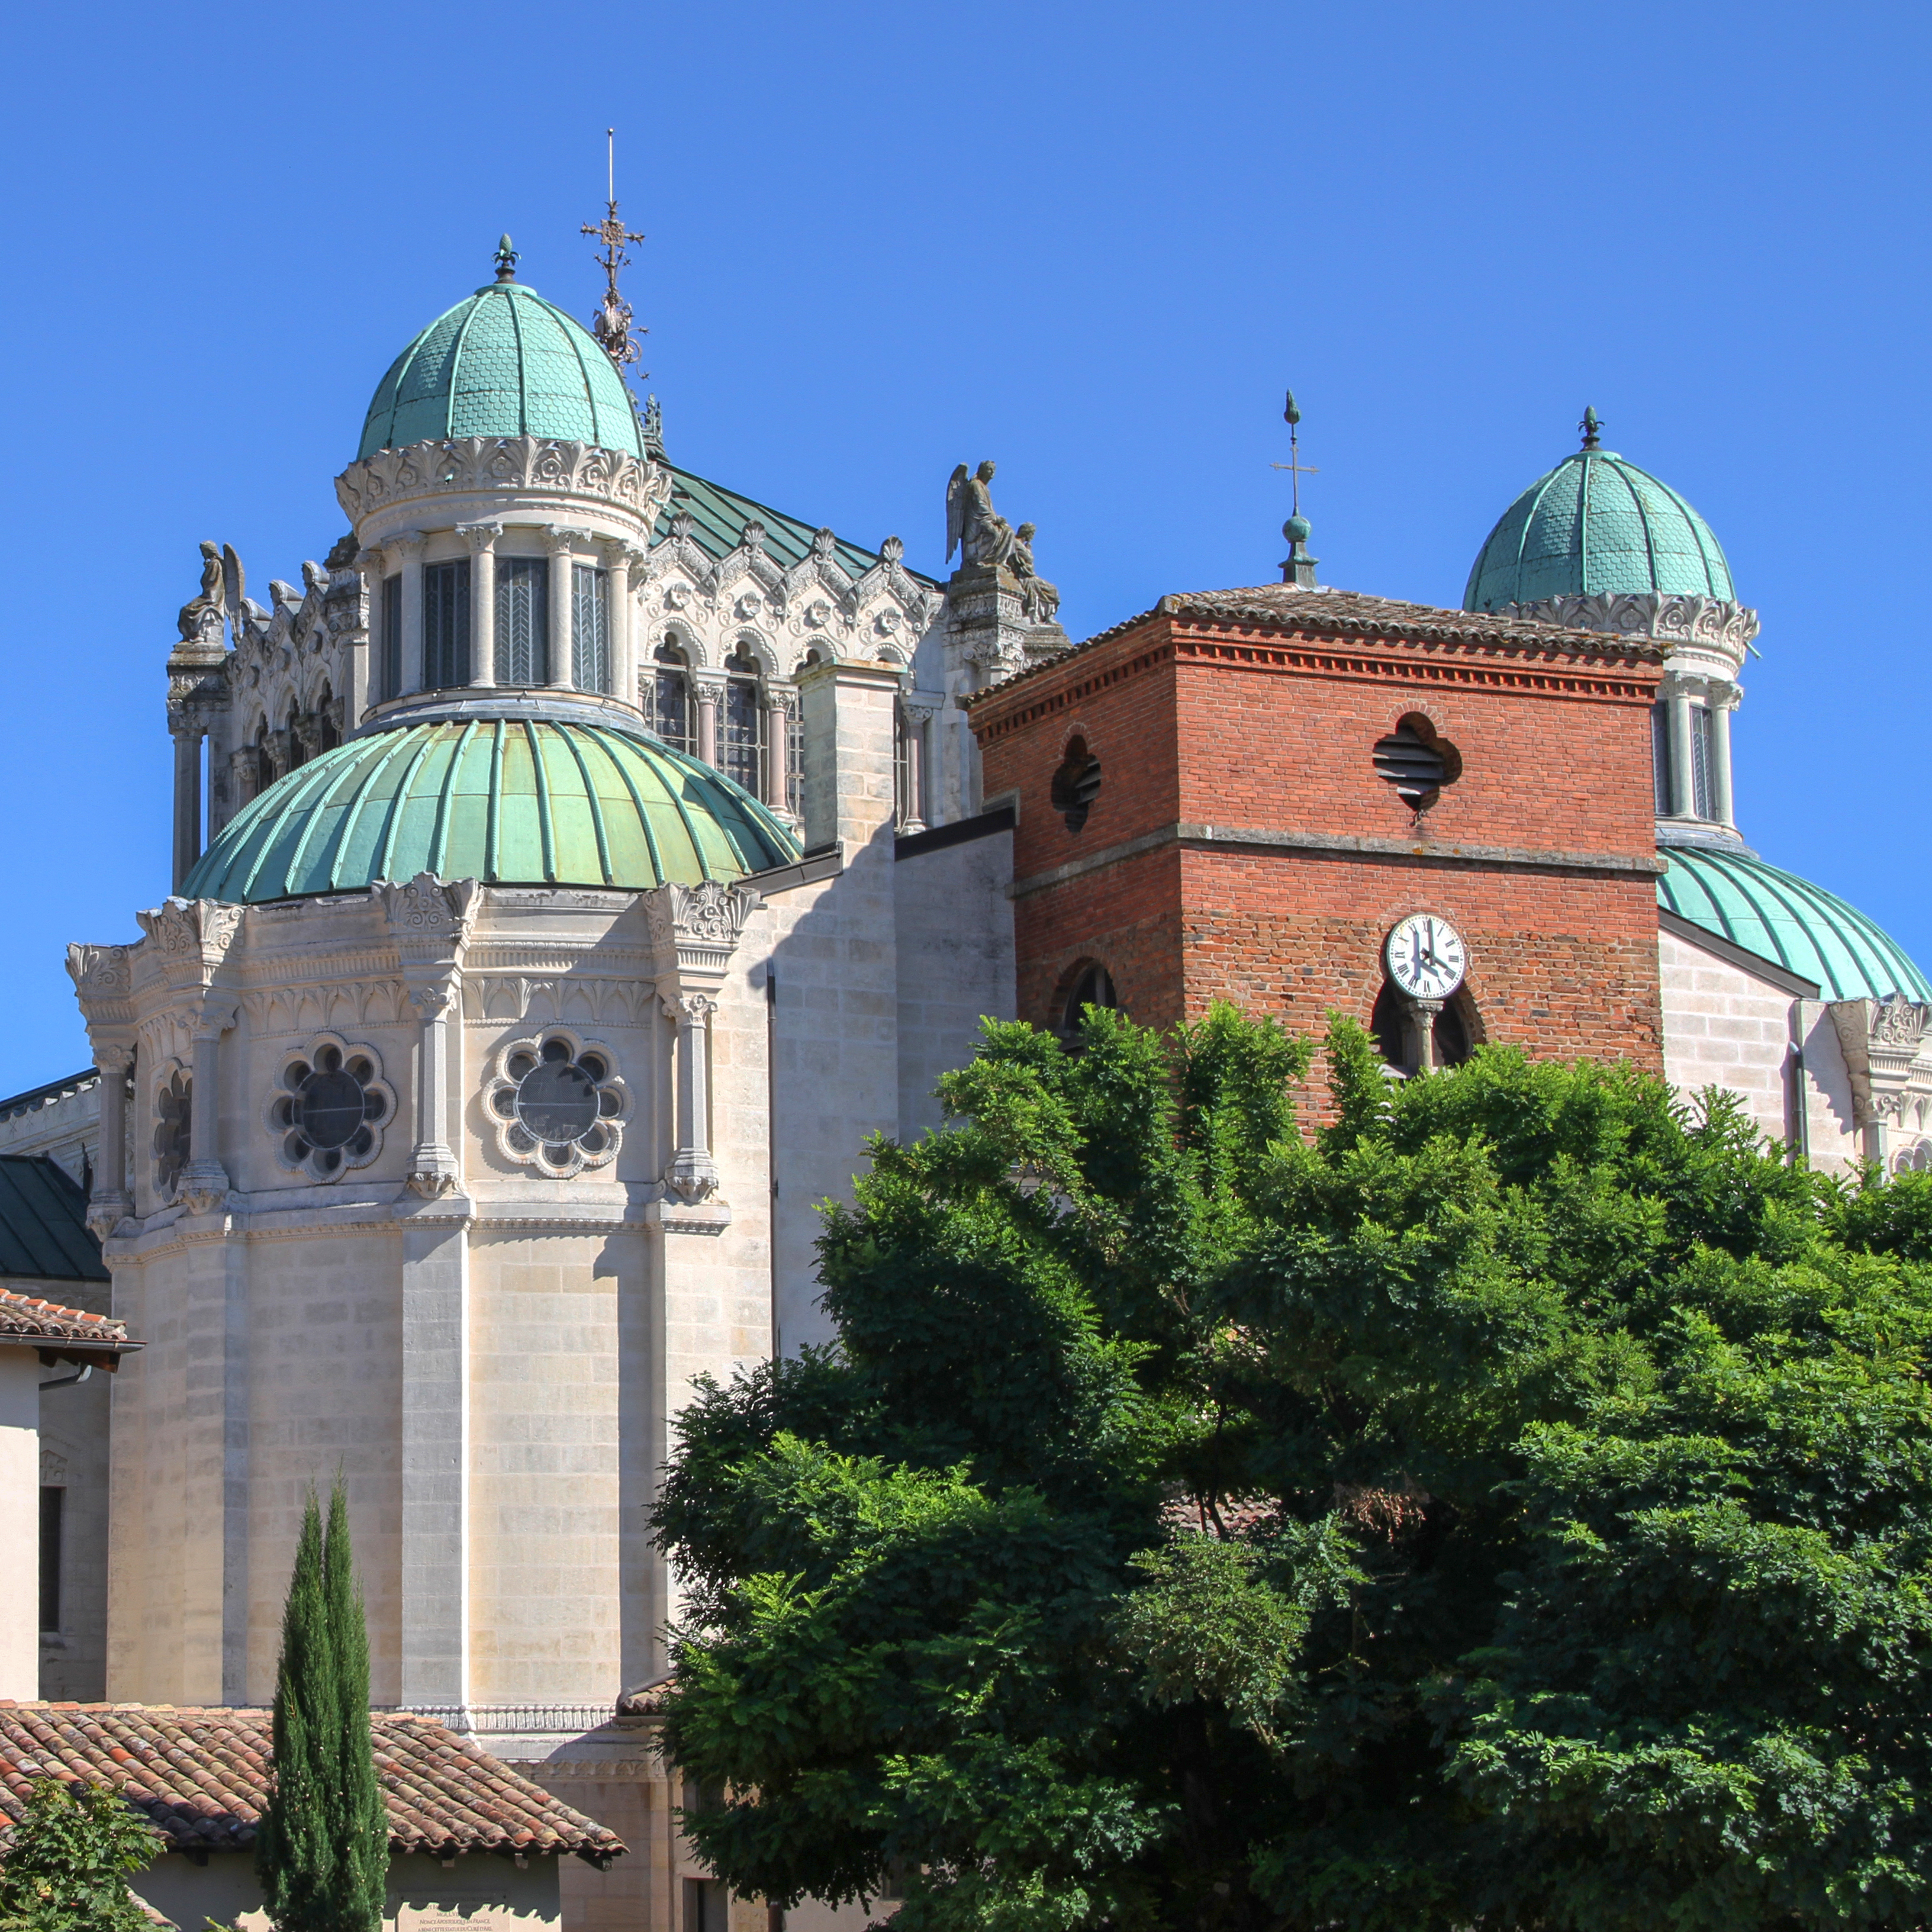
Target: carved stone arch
[(684, 636), (763, 651)]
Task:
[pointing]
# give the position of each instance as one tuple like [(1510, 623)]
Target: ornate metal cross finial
[(506, 260), (1592, 427), (1297, 469), (611, 325)]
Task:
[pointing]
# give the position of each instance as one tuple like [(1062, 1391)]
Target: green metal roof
[(502, 362), (1779, 917), (509, 801), (1596, 525), (44, 1231), (718, 514)]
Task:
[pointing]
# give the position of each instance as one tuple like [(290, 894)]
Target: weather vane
[(611, 325)]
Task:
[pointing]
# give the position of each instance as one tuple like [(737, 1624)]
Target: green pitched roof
[(509, 801), (44, 1231), (502, 362), (1596, 525), (1779, 916), (717, 515)]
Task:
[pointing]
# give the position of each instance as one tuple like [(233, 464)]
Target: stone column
[(617, 619), (1422, 1015), (1721, 704), (916, 718), (559, 543), (433, 1169), (204, 1181), (692, 1174), (110, 1200), (187, 734), (779, 706), (482, 600), (705, 691), (410, 547), (1683, 755)]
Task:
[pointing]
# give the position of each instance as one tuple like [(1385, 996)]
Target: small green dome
[(510, 801), (1778, 915), (1597, 526), (502, 362)]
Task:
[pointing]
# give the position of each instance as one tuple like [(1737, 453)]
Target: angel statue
[(1038, 598), (973, 527), (205, 607), (222, 586)]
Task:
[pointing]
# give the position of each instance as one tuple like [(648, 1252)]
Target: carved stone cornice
[(1649, 613), (468, 465), (1881, 1039), (695, 928)]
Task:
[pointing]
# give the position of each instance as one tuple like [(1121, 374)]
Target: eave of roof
[(1325, 612), (72, 1334), (200, 1776)]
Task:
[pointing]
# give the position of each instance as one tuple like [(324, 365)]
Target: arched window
[(326, 736), (667, 696), (1091, 985), (1454, 1035), (741, 734), (298, 750)]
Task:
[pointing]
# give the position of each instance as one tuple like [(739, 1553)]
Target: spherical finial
[(1296, 529), (506, 260), (1592, 427)]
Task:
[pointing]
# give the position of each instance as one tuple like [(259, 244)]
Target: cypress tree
[(322, 1849), (360, 1823)]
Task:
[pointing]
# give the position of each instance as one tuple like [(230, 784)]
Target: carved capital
[(688, 1009), (203, 1187), (559, 540), (427, 912), (482, 536), (409, 543), (106, 1212), (102, 978), (696, 929), (192, 936), (1881, 1039), (112, 1059), (692, 1176)]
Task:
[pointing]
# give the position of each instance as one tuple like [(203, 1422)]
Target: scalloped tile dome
[(1596, 525), (502, 362), (1778, 915), (509, 801)]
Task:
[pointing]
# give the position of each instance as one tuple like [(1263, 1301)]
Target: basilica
[(576, 864)]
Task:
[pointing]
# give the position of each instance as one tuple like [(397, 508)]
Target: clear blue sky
[(1092, 241)]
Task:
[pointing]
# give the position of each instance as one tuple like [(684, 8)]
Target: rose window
[(331, 1108), (558, 1104), (174, 1116)]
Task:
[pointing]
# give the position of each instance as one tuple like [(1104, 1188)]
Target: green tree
[(1507, 1506), (322, 1850), (68, 1859)]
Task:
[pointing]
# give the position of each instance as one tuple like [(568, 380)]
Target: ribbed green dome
[(511, 801), (1595, 526), (1778, 915), (503, 362)]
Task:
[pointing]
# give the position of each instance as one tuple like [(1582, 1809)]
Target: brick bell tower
[(1244, 794)]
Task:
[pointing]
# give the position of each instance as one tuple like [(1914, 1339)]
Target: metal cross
[(612, 325), (1297, 470)]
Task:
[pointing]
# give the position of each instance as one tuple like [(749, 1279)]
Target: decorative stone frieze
[(1649, 613), (468, 465)]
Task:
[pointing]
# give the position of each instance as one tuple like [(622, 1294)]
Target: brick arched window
[(1089, 984)]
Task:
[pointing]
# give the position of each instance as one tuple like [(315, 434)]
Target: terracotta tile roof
[(25, 1318), (201, 1775), (1324, 612)]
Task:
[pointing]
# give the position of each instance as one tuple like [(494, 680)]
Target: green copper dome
[(504, 362), (1778, 915), (509, 801), (1595, 525)]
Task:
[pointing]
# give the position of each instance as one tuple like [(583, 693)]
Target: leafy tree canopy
[(68, 1859), (1507, 1506)]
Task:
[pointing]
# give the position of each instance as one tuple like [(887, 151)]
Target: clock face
[(1426, 957)]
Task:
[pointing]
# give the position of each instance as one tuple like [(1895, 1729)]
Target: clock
[(1425, 956)]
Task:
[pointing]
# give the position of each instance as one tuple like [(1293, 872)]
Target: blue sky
[(1092, 242)]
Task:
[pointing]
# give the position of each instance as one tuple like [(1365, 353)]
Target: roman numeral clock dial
[(1425, 957)]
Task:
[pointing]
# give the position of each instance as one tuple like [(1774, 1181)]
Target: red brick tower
[(1239, 794)]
